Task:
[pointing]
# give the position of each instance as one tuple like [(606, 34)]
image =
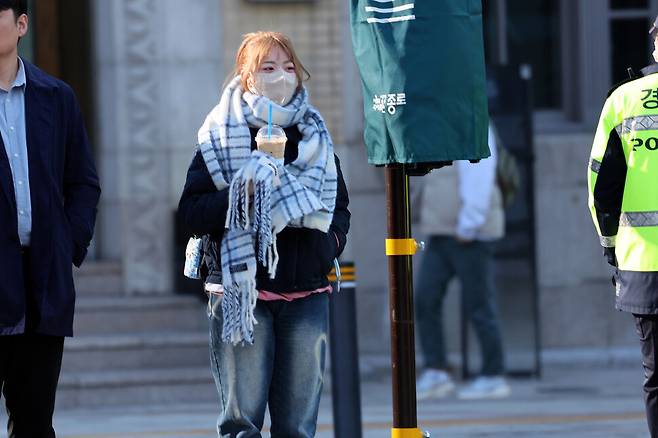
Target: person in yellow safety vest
[(623, 199)]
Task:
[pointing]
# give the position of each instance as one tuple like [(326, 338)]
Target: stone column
[(158, 73)]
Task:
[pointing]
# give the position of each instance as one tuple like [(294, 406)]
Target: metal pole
[(345, 380), (401, 301), (501, 17), (526, 74)]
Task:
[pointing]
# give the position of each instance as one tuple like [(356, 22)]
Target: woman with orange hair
[(270, 226)]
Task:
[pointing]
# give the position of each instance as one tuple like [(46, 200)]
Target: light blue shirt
[(12, 128)]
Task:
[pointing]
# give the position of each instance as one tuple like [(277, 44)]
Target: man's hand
[(609, 254)]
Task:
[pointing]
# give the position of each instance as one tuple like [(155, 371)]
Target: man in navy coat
[(48, 196)]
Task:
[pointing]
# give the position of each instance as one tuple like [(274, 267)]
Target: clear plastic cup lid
[(277, 131)]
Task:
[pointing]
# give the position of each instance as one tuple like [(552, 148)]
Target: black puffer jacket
[(305, 255)]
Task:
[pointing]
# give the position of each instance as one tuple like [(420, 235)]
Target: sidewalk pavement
[(567, 402)]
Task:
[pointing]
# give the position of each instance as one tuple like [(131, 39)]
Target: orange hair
[(256, 46)]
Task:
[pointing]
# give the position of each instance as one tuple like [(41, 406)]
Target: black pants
[(647, 329), (472, 263), (29, 372)]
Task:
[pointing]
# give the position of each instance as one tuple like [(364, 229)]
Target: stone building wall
[(157, 63)]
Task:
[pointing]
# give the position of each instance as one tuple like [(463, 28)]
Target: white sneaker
[(434, 384), (485, 387)]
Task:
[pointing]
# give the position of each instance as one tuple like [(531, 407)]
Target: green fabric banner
[(423, 74)]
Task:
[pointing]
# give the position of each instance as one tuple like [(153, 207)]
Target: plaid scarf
[(299, 194)]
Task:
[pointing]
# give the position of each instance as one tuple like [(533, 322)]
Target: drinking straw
[(269, 122)]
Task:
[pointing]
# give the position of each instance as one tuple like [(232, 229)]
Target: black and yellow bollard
[(345, 378)]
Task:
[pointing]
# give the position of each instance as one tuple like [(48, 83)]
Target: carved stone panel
[(146, 214), (158, 72)]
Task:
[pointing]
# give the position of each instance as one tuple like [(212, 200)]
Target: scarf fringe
[(238, 215), (256, 215), (263, 220), (238, 305), (272, 258)]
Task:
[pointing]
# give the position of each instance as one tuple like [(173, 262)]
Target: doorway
[(60, 43)]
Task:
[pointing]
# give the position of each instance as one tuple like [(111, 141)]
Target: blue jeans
[(471, 263), (282, 370)]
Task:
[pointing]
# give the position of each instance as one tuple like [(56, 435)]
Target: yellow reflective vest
[(623, 189)]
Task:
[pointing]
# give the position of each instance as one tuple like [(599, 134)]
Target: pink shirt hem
[(292, 296), (273, 296)]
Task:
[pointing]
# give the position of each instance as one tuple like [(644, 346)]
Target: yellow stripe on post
[(401, 247), (343, 271), (343, 279), (347, 271), (406, 433)]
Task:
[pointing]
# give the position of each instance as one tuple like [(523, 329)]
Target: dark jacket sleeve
[(81, 188), (609, 188), (202, 208), (340, 224)]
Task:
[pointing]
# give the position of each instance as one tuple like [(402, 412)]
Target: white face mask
[(279, 86)]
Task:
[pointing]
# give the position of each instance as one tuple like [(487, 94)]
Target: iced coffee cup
[(272, 143)]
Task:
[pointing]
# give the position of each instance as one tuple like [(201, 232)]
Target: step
[(136, 387), (117, 315), (135, 351), (98, 278)]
